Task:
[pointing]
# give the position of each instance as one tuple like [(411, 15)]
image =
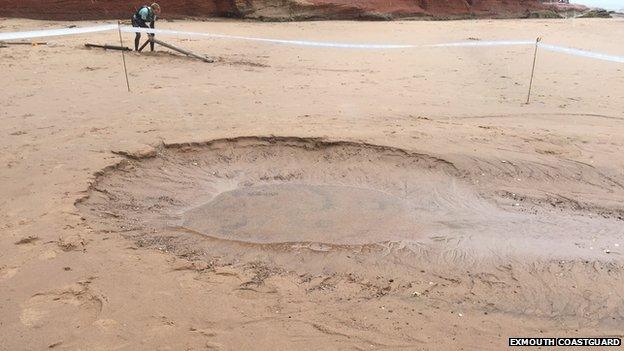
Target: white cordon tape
[(55, 32), (561, 49), (266, 40), (582, 53), (104, 28), (323, 44)]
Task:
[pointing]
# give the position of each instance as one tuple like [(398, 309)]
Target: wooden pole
[(123, 55), (185, 52), (108, 47), (144, 45), (533, 69)]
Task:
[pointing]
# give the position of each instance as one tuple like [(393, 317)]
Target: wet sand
[(108, 239)]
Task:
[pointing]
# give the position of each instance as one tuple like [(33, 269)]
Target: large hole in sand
[(282, 200), (287, 190)]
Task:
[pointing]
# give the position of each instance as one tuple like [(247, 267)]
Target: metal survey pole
[(533, 68), (123, 55)]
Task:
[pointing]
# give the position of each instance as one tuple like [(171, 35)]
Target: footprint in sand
[(48, 255), (7, 273), (72, 307), (108, 325)]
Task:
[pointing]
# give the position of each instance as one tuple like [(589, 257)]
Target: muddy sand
[(312, 198)]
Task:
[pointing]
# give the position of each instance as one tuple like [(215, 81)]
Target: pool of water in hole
[(288, 213)]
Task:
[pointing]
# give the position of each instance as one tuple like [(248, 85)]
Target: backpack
[(137, 15)]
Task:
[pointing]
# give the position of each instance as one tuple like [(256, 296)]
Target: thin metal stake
[(533, 69), (123, 55)]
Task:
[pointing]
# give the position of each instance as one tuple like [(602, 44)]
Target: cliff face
[(271, 9)]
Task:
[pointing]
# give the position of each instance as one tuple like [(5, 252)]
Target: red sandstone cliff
[(271, 9)]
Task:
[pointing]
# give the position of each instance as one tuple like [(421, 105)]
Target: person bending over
[(144, 15)]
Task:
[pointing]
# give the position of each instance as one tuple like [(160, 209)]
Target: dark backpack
[(138, 16)]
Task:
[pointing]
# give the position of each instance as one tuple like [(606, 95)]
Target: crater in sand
[(292, 193), (286, 190)]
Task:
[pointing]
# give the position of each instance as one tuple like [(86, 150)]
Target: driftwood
[(175, 48), (185, 52), (155, 41), (108, 47)]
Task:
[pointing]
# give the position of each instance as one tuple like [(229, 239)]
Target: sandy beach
[(292, 197)]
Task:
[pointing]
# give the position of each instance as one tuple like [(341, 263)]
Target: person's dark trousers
[(152, 35), (137, 39)]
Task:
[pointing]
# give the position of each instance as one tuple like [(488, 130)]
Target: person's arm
[(152, 21)]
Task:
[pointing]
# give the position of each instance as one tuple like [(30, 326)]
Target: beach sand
[(135, 220)]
